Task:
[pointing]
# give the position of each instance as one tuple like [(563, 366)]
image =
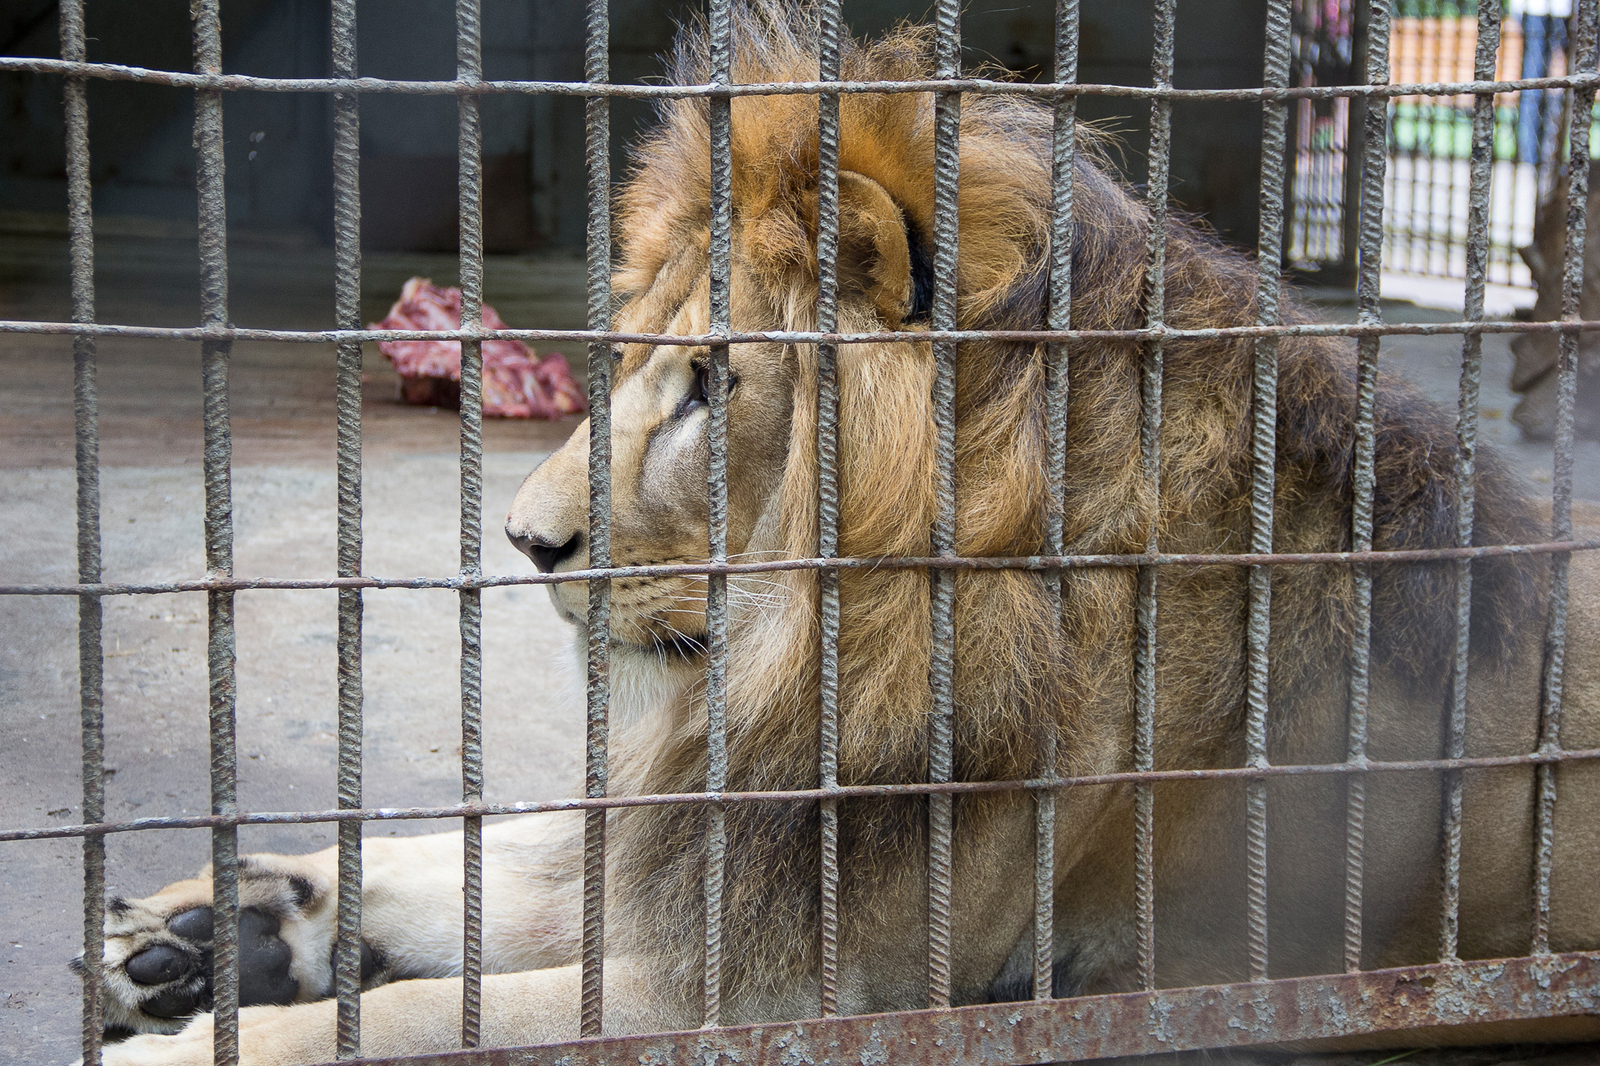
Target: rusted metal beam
[(1092, 1027)]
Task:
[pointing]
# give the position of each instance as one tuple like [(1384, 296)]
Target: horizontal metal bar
[(484, 810), (1133, 1023), (1014, 562), (701, 340), (465, 87)]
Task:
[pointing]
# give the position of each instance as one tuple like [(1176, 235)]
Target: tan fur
[(1022, 674)]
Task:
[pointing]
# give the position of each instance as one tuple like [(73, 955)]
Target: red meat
[(516, 383)]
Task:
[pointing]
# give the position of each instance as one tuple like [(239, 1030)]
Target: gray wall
[(278, 143)]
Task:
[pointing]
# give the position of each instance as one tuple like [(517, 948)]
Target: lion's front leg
[(158, 954), (419, 1017)]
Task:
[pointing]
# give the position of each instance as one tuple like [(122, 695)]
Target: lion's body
[(1024, 680)]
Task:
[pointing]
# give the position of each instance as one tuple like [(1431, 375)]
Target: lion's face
[(660, 416)]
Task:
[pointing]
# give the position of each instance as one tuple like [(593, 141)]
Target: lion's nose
[(544, 550)]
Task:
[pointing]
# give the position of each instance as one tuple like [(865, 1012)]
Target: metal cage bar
[(347, 311), (942, 591), (1370, 252), (1477, 252), (828, 30), (721, 41), (1555, 644), (1144, 653), (597, 134), (457, 87), (794, 336), (469, 68), (1263, 481), (1063, 151), (214, 358), (86, 419)]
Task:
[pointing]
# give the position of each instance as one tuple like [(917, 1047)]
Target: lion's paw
[(158, 954)]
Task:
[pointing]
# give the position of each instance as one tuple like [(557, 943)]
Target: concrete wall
[(278, 143)]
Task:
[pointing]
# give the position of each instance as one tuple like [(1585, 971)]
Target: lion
[(1026, 672)]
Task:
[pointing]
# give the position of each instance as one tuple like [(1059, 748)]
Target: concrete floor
[(284, 511)]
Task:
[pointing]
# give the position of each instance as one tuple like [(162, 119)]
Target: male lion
[(1021, 673)]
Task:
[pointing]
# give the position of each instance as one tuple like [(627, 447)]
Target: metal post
[(1144, 665), (828, 31), (86, 417), (1555, 641), (1264, 457), (597, 122), (1479, 183), (347, 312), (1375, 139), (721, 41), (469, 69), (1064, 135), (941, 668)]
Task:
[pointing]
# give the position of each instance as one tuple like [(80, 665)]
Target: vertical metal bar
[(1144, 666), (1064, 136), (946, 176), (1264, 453), (347, 313), (469, 148), (1370, 260), (597, 123), (1478, 187), (218, 529), (86, 416), (721, 28), (1555, 642), (829, 17)]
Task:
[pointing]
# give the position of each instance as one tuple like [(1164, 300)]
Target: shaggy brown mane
[(1017, 679)]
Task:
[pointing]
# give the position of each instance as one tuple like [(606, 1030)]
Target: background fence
[(1151, 1019), (1430, 136)]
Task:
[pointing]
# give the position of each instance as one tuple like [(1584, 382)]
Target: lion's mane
[(1019, 675)]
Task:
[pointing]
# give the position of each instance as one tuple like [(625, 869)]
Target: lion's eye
[(700, 388)]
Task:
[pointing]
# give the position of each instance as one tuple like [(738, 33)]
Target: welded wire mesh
[(1046, 1028)]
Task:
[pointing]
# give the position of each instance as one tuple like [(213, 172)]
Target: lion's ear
[(874, 254)]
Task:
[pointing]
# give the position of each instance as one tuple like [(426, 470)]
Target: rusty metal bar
[(373, 814), (1163, 332), (1063, 151), (1264, 457), (828, 32), (347, 305), (469, 68), (1479, 187), (86, 419), (942, 590), (720, 35), (460, 87), (214, 359), (1144, 653), (1370, 250), (909, 562), (1555, 641), (596, 776), (347, 311), (1133, 1023)]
